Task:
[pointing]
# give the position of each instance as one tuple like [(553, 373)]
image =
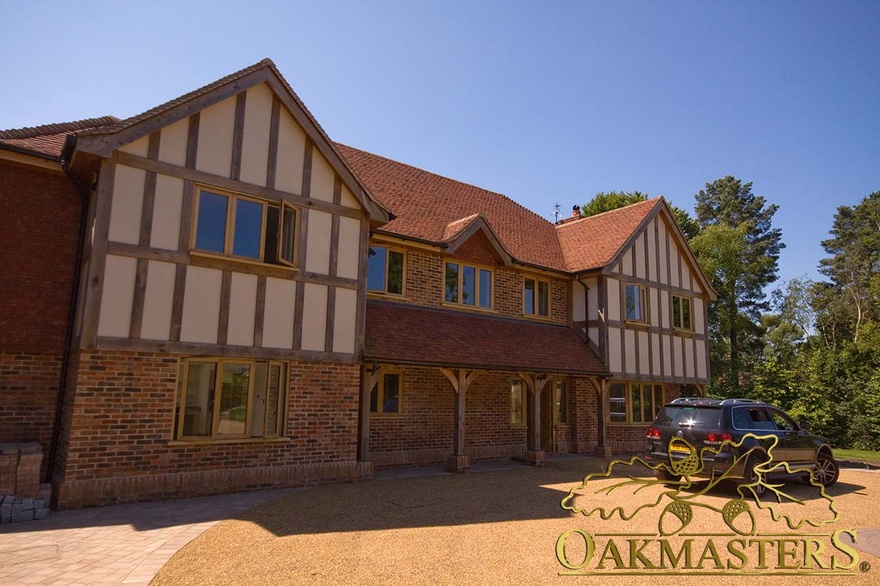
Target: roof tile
[(48, 139)]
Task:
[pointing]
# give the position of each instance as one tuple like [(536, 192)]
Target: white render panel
[(701, 359), (685, 273), (613, 299), (128, 201), (314, 330), (140, 147), (318, 244), (577, 302), (593, 334), (699, 323), (172, 143), (593, 298), (278, 316), (345, 321), (167, 208), (216, 127), (323, 177), (614, 357), (348, 259), (664, 253), (255, 140), (665, 302), (348, 199), (626, 263), (667, 356), (201, 305), (158, 301), (688, 357), (656, 365), (629, 340), (654, 306), (242, 307), (639, 248), (652, 250), (118, 296), (291, 155), (678, 356), (673, 263), (644, 353)]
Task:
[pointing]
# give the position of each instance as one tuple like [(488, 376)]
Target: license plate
[(679, 448)]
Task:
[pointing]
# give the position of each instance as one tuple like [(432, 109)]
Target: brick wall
[(119, 440)]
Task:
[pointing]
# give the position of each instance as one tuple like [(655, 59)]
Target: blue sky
[(543, 101)]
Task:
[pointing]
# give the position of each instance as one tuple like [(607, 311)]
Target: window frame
[(380, 395), (536, 302), (643, 303), (388, 251), (229, 233), (522, 403), (177, 432), (652, 390), (460, 287), (689, 327)]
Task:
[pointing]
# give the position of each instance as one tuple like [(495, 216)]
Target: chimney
[(575, 211)]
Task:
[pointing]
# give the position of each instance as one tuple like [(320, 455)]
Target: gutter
[(66, 152)]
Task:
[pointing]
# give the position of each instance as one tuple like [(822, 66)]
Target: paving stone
[(41, 513), (27, 503), (23, 516)]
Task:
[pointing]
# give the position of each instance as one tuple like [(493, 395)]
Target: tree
[(612, 200), (739, 250)]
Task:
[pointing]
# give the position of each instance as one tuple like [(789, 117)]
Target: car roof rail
[(686, 400), (742, 402)]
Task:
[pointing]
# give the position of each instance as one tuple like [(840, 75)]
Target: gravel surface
[(499, 528)]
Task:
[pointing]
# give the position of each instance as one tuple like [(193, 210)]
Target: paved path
[(121, 544)]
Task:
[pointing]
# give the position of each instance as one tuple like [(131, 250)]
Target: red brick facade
[(119, 445)]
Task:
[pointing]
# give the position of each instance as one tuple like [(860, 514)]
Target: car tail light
[(653, 433), (717, 438)]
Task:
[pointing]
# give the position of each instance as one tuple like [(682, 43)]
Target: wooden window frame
[(646, 389), (229, 235), (690, 301), (460, 288), (643, 300), (388, 250), (218, 362), (522, 403), (536, 300), (380, 395)]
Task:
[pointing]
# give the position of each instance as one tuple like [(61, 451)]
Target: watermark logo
[(696, 524)]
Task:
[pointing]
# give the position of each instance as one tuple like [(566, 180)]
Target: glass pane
[(561, 402), (636, 396), (516, 401), (247, 238), (633, 303), (271, 242), (468, 285), (617, 402), (452, 282), (288, 235), (658, 400), (686, 314), (376, 268), (485, 288), (199, 410), (529, 297), (676, 311), (234, 399), (543, 298), (391, 394), (273, 400), (211, 223), (181, 386), (260, 399), (395, 272)]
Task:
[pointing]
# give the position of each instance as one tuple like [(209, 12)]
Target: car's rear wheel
[(752, 476), (827, 471)]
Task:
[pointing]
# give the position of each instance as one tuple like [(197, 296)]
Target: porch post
[(461, 382), (535, 455), (603, 449)]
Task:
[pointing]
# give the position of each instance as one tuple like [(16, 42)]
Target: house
[(221, 298)]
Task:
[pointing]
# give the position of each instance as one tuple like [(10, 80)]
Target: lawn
[(858, 456)]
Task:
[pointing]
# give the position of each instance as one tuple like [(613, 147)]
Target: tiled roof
[(48, 139), (406, 334), (425, 204)]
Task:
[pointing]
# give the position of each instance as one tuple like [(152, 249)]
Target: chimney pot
[(575, 211)]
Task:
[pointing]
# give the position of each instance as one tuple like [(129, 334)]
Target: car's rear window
[(689, 416)]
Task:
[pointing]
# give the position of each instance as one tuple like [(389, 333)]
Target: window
[(244, 227), (681, 313), (230, 398), (636, 306), (634, 402), (385, 270), (561, 399), (385, 396), (517, 402), (536, 297), (468, 285)]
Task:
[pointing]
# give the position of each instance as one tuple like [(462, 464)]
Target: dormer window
[(468, 285), (385, 270)]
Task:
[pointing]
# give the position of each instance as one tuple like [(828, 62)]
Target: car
[(721, 424)]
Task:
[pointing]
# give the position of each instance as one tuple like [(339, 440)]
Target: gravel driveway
[(496, 527)]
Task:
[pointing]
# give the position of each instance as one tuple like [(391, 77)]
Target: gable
[(479, 250)]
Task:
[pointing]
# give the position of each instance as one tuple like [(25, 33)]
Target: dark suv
[(717, 424)]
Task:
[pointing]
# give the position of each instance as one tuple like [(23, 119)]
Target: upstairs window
[(243, 227), (385, 396), (385, 270), (536, 297), (468, 285), (681, 313), (636, 305)]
